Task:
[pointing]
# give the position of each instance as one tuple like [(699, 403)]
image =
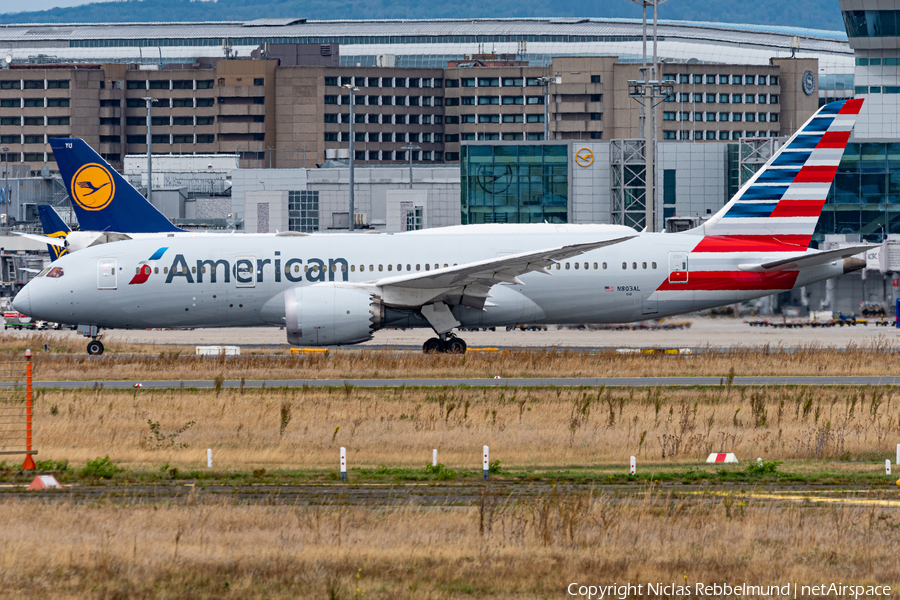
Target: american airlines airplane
[(332, 289)]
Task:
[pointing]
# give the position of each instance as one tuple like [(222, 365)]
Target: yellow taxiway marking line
[(799, 498)]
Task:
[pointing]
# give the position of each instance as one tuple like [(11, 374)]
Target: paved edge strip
[(514, 382)]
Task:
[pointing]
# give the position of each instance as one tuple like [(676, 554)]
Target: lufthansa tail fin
[(778, 208), (53, 227), (102, 199)]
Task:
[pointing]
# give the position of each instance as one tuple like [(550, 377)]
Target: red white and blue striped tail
[(778, 208)]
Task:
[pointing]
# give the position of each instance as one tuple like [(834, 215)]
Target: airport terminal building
[(463, 103)]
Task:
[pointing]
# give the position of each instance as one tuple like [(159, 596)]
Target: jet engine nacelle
[(326, 314)]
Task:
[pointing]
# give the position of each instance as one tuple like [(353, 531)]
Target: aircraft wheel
[(95, 347), (456, 346), (433, 346)]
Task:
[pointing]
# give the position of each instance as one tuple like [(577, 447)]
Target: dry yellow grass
[(347, 364), (147, 362), (502, 549), (302, 428)]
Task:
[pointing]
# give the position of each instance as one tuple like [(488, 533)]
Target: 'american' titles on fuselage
[(315, 270)]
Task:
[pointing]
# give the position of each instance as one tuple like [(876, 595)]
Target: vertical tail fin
[(54, 227), (102, 199), (779, 207)]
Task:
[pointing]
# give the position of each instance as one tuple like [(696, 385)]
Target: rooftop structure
[(430, 43)]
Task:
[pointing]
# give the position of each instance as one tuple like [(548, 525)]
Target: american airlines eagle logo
[(144, 269), (93, 187)]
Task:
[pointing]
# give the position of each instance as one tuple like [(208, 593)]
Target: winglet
[(54, 229)]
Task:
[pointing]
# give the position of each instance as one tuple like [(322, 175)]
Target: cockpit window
[(44, 272), (55, 273)]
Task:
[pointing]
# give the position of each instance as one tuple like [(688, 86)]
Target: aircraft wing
[(44, 239), (805, 260), (468, 284)]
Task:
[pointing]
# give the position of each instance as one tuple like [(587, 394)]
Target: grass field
[(303, 428), (506, 546), (503, 548)]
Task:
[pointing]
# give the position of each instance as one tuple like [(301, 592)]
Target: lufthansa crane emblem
[(93, 187), (584, 157)]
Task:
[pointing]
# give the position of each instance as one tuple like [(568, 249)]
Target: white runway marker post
[(486, 467), (633, 465), (343, 464), (434, 457), (887, 467), (897, 462), (209, 458)]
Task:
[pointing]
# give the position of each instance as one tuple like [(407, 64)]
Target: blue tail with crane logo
[(53, 227), (103, 200)]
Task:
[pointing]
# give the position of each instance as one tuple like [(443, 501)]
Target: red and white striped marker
[(633, 465), (343, 464), (722, 457), (486, 463), (44, 482)]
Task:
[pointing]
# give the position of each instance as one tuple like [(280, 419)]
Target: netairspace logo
[(716, 590)]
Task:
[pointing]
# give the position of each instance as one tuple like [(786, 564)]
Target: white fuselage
[(135, 284)]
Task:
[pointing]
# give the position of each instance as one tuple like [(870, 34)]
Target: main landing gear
[(95, 347), (447, 342)]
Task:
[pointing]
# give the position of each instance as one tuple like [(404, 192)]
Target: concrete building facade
[(280, 117)]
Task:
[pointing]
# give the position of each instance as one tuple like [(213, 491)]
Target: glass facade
[(526, 183), (865, 195), (872, 23)]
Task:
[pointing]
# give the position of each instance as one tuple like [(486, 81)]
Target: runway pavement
[(440, 495), (513, 382), (703, 331)]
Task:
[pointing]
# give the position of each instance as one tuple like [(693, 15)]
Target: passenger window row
[(596, 266)]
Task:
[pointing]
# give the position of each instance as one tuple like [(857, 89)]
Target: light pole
[(410, 148), (352, 88), (649, 92), (149, 102), (5, 150), (547, 81)]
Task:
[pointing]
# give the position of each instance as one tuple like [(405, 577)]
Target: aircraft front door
[(678, 267), (106, 273)]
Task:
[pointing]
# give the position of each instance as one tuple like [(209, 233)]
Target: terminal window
[(525, 183), (303, 211)]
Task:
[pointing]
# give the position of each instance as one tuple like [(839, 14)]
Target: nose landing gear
[(94, 347), (447, 342)]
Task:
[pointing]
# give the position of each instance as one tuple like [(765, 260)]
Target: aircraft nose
[(22, 301)]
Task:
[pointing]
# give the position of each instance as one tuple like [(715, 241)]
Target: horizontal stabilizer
[(810, 259), (44, 239)]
